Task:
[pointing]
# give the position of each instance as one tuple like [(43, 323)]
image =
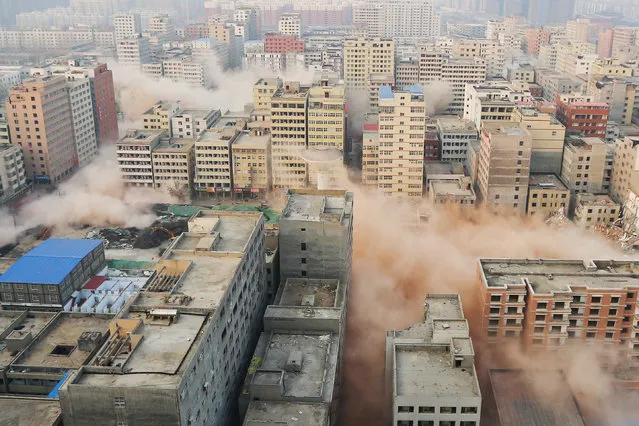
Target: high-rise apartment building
[(213, 161), (263, 91), (365, 58), (402, 126), (41, 123), (546, 195), (544, 303), (250, 17), (82, 113), (290, 24), (455, 136), (491, 51), (624, 36), (625, 176), (399, 19), (133, 52), (316, 235), (13, 179), (439, 347), (134, 156), (604, 43), (620, 94), (370, 16), (587, 165), (547, 138), (542, 12), (504, 166), (289, 116), (370, 150), (127, 25), (252, 163)]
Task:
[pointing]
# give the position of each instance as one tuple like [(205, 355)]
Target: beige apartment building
[(490, 50), (41, 124), (625, 176), (402, 123), (289, 115), (263, 91), (213, 174), (619, 93), (159, 116), (547, 195), (364, 57), (252, 163), (174, 165), (134, 155), (370, 150), (547, 138), (587, 165), (504, 166), (592, 210)]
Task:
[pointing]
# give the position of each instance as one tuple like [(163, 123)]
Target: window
[(426, 409), (495, 298), (303, 260), (614, 300), (425, 423), (303, 246), (594, 311), (118, 401), (448, 410), (492, 333), (303, 273), (467, 423), (405, 409), (405, 423), (610, 324), (596, 299), (469, 410), (609, 335), (591, 334), (494, 310), (540, 317), (539, 329), (542, 305), (592, 323)]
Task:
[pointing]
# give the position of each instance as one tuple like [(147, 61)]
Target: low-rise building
[(252, 163), (430, 371), (457, 192), (190, 123), (595, 211), (582, 116), (547, 195), (551, 303), (455, 135)]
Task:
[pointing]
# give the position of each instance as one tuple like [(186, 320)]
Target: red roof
[(371, 127), (94, 282)]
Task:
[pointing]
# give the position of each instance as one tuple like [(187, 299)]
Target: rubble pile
[(163, 229)]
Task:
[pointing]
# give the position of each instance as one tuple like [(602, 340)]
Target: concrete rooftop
[(324, 292), (262, 413), (546, 181), (451, 187), (312, 205), (33, 322), (546, 276), (29, 411), (246, 140), (427, 371)]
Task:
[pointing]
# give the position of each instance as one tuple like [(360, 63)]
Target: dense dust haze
[(396, 263)]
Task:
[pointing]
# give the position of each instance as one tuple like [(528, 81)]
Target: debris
[(558, 219)]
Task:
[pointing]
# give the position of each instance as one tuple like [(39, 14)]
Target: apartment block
[(295, 353), (438, 351), (159, 116), (407, 73), (205, 345), (547, 137), (519, 72), (41, 124), (182, 70), (552, 303), (134, 154), (127, 25), (491, 51), (364, 57), (587, 165), (283, 43), (133, 52), (547, 195), (370, 150), (504, 166), (290, 24), (620, 94), (455, 135), (190, 123), (411, 19), (555, 83), (316, 235), (289, 116), (402, 119), (371, 17), (252, 163), (625, 173), (85, 137), (595, 211), (263, 91), (582, 116), (375, 83), (491, 103), (213, 162), (457, 192), (13, 179), (173, 166)]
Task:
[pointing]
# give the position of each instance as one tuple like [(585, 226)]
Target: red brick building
[(586, 118), (431, 142), (196, 31), (279, 43), (106, 114)]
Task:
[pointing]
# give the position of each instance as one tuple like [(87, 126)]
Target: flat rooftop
[(313, 205), (196, 113), (262, 413), (546, 181), (546, 276), (455, 188), (33, 322), (601, 200), (427, 371), (442, 168), (437, 307), (323, 292), (518, 403), (247, 140), (505, 129), (30, 411), (63, 330), (216, 136), (450, 125), (319, 357), (140, 137)]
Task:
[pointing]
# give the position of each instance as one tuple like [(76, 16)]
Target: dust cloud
[(396, 263), (95, 196)]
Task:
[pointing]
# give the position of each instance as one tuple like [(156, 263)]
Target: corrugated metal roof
[(64, 247), (39, 270)]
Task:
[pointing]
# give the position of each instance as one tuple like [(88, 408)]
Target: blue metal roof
[(416, 90), (56, 390), (39, 270), (386, 92), (50, 262), (64, 247)]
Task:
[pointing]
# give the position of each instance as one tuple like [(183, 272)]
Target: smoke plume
[(395, 264), (438, 95), (94, 196)]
